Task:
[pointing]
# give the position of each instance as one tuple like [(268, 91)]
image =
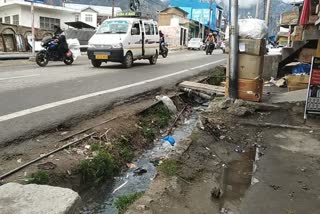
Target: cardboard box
[(297, 33), (255, 47), (250, 67), (297, 82), (311, 32), (306, 55), (290, 18), (313, 19), (295, 88), (250, 90)]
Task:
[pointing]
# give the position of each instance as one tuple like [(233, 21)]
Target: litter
[(239, 150), (19, 160), (169, 139), (168, 103), (122, 185), (131, 165), (139, 171)]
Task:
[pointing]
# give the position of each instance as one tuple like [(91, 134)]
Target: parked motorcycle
[(51, 53), (164, 49), (209, 48)]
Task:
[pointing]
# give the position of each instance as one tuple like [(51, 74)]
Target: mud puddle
[(102, 200), (237, 176)]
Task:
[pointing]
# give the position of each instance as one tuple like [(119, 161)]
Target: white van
[(124, 40)]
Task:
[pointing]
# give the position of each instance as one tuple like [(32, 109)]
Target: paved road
[(34, 99)]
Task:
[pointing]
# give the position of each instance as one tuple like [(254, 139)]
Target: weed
[(123, 202), (168, 167), (39, 177), (98, 169), (159, 116), (217, 76), (123, 147), (149, 134), (95, 147), (195, 136)]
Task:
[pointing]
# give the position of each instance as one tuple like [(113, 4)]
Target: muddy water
[(102, 200)]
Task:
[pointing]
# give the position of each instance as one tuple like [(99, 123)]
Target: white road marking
[(95, 94), (19, 77)]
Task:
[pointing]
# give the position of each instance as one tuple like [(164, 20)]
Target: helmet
[(210, 34)]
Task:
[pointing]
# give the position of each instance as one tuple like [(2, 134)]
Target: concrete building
[(18, 12), (92, 14), (173, 22)]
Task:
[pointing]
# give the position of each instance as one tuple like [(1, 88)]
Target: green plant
[(217, 76), (95, 147), (123, 202), (98, 169), (148, 134), (123, 147), (39, 177), (158, 116), (195, 136), (168, 167)]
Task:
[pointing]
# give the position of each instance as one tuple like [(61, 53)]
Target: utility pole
[(210, 15), (267, 15), (112, 8), (257, 9), (234, 48), (33, 30)]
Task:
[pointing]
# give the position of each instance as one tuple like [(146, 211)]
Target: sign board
[(128, 14), (313, 96)]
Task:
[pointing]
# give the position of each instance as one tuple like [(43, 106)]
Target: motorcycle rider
[(60, 39), (161, 40), (210, 39)]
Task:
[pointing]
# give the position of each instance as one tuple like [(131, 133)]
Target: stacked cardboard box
[(297, 33), (251, 60), (297, 82)]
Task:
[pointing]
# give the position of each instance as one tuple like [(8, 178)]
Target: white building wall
[(94, 18), (64, 16), (11, 11)]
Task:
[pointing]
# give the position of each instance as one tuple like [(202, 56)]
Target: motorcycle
[(164, 49), (209, 48), (51, 53)]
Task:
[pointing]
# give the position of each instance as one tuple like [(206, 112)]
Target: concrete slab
[(36, 199), (11, 56), (290, 97)]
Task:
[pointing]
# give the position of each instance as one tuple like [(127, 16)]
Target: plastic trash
[(168, 103), (169, 139), (301, 69), (74, 46), (139, 171), (251, 29)]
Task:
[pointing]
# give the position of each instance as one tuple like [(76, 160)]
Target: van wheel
[(128, 60), (96, 63), (153, 59)]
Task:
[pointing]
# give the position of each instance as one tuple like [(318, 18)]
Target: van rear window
[(113, 27)]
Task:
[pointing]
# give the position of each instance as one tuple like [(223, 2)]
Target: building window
[(48, 23), (1, 20), (77, 18), (7, 19), (88, 18), (15, 19)]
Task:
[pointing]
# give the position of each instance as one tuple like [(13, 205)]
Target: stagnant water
[(102, 201)]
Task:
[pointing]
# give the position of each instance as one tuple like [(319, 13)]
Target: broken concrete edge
[(75, 119), (36, 199)]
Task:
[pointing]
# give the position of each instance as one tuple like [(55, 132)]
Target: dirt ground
[(63, 166), (254, 169)]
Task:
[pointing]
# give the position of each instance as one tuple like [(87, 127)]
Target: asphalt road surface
[(35, 99)]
